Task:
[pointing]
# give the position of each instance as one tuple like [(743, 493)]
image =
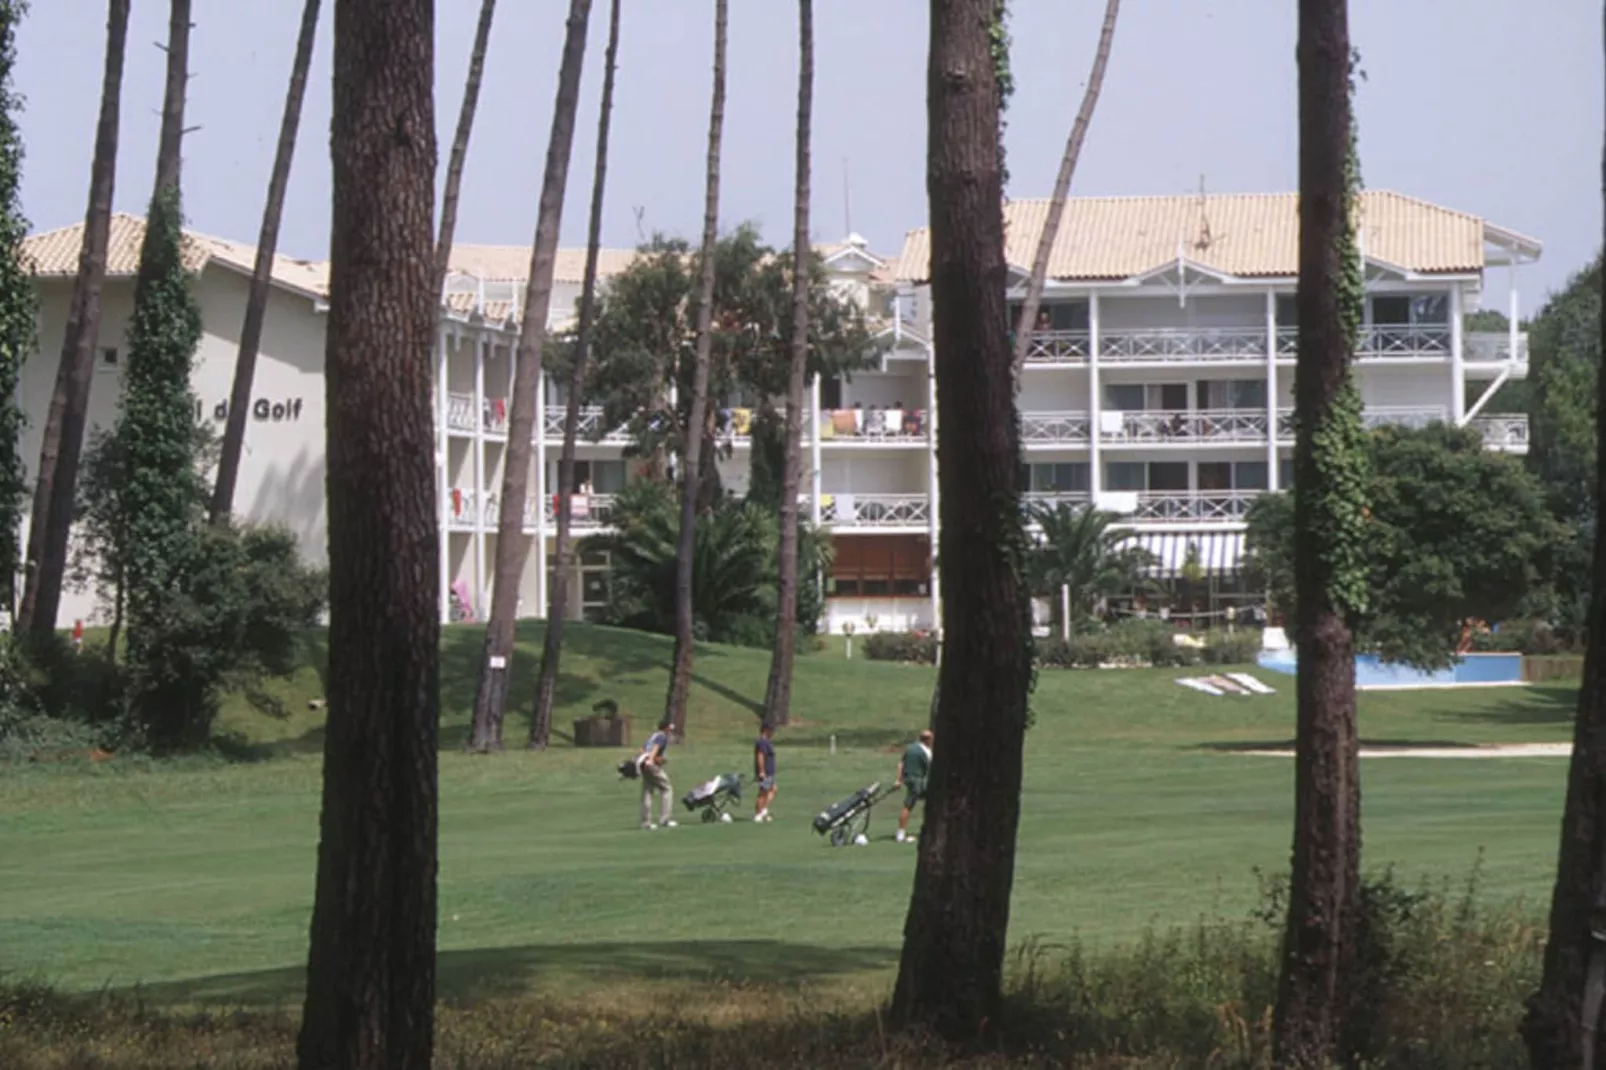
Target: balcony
[(1050, 499), (1493, 347), (873, 425), (1205, 345), (467, 510), (591, 418), (588, 513), (875, 511), (1505, 431), (1055, 429), (460, 412), (1193, 427), (1403, 342), (1058, 347), (1192, 507)]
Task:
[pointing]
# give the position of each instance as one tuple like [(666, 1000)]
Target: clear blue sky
[(1489, 106)]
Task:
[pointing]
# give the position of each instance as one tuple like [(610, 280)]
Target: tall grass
[(1442, 982)]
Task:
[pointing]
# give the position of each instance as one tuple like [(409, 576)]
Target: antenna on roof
[(1205, 238)]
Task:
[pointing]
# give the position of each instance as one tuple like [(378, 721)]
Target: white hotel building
[(1159, 385)]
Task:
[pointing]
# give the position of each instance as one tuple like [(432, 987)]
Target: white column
[(1273, 463), (479, 476), (933, 490), (1512, 314), (1458, 371), (1095, 403), (443, 474), (814, 452), (542, 598)]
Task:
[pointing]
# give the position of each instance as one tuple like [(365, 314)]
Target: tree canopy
[(1455, 533)]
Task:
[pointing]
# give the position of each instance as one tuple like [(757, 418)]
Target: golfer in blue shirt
[(764, 771)]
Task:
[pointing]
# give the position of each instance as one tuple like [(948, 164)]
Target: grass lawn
[(194, 878)]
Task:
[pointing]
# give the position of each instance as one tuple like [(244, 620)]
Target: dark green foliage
[(1081, 549), (910, 648), (734, 568), (1455, 533), (1138, 641), (18, 306)]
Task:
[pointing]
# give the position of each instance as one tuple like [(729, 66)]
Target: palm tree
[(1564, 1015), (512, 547), (1062, 188), (1329, 555), (691, 469), (370, 993), (546, 683), (256, 303), (465, 129), (62, 442), (778, 692), (950, 974), (1080, 551)]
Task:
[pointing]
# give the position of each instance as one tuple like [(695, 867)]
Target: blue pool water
[(1371, 672)]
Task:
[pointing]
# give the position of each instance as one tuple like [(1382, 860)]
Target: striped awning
[(1220, 553)]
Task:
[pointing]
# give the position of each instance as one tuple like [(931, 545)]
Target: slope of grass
[(194, 877)]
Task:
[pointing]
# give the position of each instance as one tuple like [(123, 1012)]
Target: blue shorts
[(766, 783)]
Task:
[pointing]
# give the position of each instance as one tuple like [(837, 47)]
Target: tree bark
[(546, 683), (1312, 998), (950, 974), (256, 305), (1062, 189), (170, 140), (778, 692), (692, 466), (1563, 1025), (512, 547), (371, 965), (62, 441), (465, 128)]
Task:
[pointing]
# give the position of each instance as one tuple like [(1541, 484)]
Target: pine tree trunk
[(512, 546), (692, 466), (170, 140), (1318, 948), (465, 128), (371, 966), (546, 683), (256, 304), (1062, 189), (778, 693), (63, 439), (1563, 1025), (951, 971)]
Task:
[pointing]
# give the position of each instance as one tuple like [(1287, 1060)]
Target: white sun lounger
[(1245, 680)]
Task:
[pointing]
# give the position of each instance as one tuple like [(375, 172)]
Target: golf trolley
[(715, 798), (849, 819)]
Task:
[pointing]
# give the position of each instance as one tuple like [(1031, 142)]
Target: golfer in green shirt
[(912, 773)]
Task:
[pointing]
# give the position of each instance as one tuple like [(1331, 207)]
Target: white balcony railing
[(591, 417), (587, 512), (1049, 499), (1403, 341), (1058, 347), (460, 412), (1505, 431), (873, 425), (1038, 428), (875, 510), (1186, 507), (1198, 425), (1186, 344), (1414, 417), (1489, 347)]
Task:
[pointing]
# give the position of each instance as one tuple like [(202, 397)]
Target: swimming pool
[(1371, 672)]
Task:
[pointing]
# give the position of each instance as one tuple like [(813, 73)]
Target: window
[(1233, 394), (1168, 475), (1218, 476), (1068, 315), (1146, 397), (881, 566), (605, 477), (1431, 310), (1391, 311), (831, 392), (1285, 473), (1065, 477), (1140, 476), (1421, 310), (1287, 310), (1215, 475), (108, 361), (1250, 475)]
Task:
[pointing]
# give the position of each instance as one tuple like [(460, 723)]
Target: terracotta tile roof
[(1246, 235), (513, 262)]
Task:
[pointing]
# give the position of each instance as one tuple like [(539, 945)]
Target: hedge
[(1130, 643)]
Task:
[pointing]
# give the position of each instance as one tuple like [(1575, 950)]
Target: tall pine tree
[(18, 306)]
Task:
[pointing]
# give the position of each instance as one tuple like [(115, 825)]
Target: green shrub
[(1239, 647), (910, 648), (1150, 640)]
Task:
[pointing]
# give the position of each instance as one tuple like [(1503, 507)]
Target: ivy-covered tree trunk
[(512, 546), (1329, 554), (951, 972), (169, 697), (370, 999), (778, 692), (18, 306), (1062, 189), (256, 303), (546, 682), (62, 441), (465, 129), (1563, 1025), (692, 459)]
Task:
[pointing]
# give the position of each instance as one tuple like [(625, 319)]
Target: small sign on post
[(498, 661)]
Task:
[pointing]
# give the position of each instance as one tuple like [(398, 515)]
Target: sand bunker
[(1493, 750)]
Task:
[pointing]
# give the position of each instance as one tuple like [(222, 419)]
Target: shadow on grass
[(729, 694), (1239, 746), (1536, 705), (492, 972)]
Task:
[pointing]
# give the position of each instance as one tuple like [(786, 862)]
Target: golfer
[(912, 773), (764, 771), (653, 778)]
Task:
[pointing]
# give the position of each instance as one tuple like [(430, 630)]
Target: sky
[(1491, 107)]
